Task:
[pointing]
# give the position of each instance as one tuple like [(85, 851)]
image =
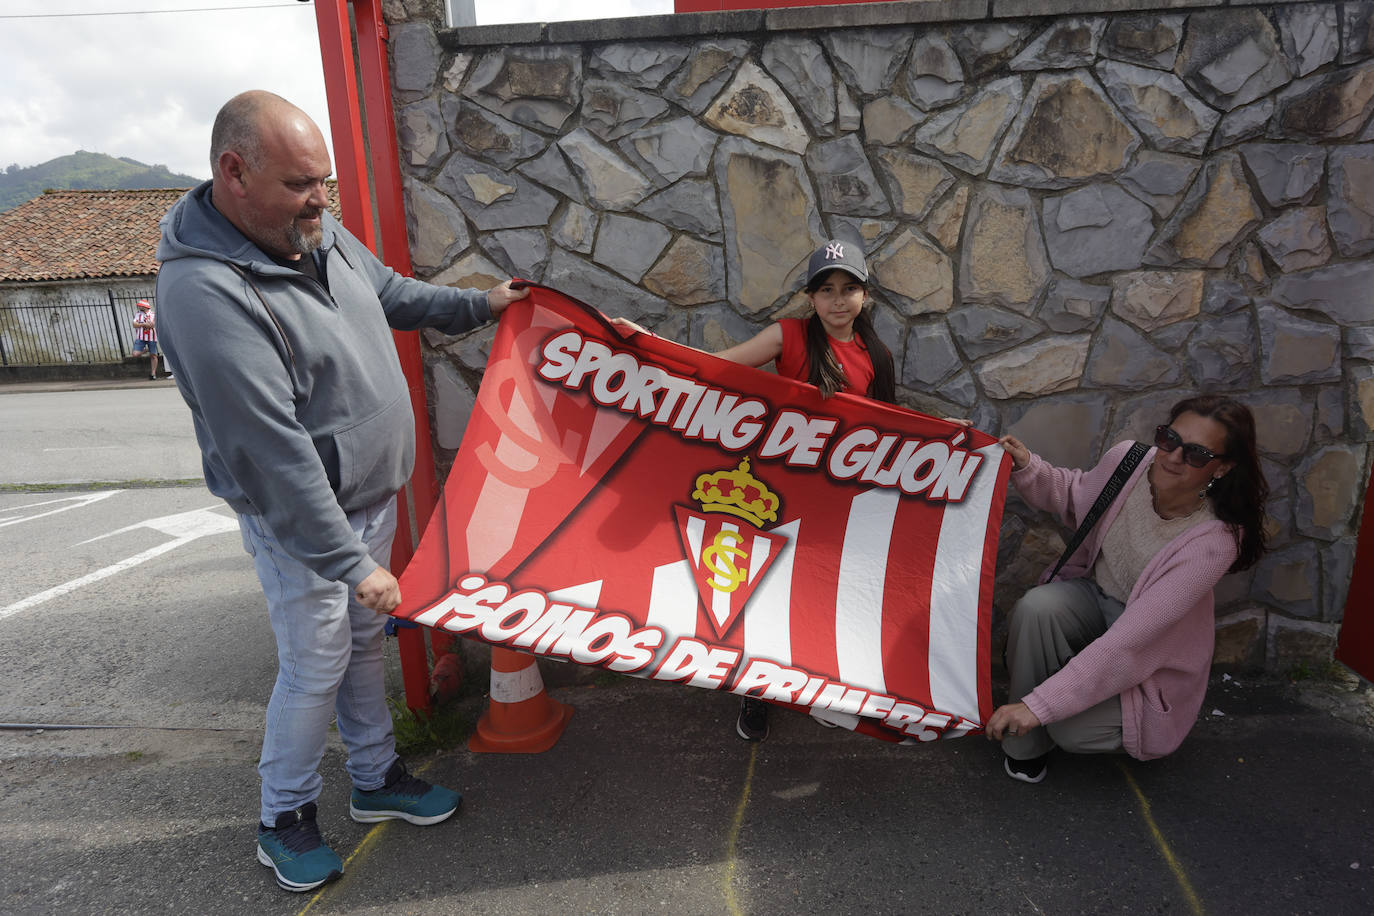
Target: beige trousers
[(1048, 626)]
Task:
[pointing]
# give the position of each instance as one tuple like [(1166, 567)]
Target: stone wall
[(1073, 220)]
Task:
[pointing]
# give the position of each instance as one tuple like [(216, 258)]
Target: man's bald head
[(270, 163), (239, 126)]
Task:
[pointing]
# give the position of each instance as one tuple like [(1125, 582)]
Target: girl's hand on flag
[(629, 325)]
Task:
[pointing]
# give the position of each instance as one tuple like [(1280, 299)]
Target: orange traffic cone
[(521, 718)]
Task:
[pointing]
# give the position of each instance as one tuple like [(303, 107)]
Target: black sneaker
[(752, 724), (295, 851), (1031, 771)]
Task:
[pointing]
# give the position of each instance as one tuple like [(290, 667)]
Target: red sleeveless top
[(853, 357)]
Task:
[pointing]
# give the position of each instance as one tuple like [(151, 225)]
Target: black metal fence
[(69, 333)]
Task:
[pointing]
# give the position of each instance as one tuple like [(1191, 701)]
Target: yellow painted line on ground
[(731, 862), (371, 839), (1194, 902), (368, 842)]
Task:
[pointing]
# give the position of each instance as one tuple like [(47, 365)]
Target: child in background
[(145, 336), (835, 349)]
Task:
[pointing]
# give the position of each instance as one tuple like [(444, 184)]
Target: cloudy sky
[(146, 84)]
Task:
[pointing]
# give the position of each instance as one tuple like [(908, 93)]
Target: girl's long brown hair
[(826, 373)]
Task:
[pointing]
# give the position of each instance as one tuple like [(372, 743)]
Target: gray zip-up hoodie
[(300, 406)]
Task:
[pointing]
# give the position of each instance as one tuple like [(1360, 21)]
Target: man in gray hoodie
[(277, 323)]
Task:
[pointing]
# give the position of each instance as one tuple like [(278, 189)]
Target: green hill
[(85, 171)]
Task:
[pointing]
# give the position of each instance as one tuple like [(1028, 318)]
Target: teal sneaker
[(405, 797), (294, 850)]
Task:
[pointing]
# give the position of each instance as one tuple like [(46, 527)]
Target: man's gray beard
[(300, 243)]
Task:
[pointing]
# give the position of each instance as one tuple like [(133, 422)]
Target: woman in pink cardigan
[(1114, 654)]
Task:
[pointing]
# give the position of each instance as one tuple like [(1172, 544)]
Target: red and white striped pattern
[(865, 593), (145, 331), (873, 588)]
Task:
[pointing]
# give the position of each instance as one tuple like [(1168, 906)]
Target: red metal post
[(712, 6), (1356, 644), (348, 119), (345, 118), (391, 217)]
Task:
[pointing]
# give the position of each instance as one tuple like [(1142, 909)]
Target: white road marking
[(58, 590), (194, 524), (84, 448), (71, 502), (184, 527)]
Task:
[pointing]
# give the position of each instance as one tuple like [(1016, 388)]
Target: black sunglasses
[(1166, 440)]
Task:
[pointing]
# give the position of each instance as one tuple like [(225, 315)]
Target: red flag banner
[(644, 507)]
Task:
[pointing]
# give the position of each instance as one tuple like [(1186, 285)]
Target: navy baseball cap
[(837, 254)]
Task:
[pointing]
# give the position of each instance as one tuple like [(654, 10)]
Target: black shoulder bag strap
[(1104, 499)]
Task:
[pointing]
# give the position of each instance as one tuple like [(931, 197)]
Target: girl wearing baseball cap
[(836, 348)]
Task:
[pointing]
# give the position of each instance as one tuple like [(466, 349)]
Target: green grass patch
[(139, 484), (1319, 671), (444, 728)]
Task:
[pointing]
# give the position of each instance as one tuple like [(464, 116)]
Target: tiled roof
[(70, 235), (67, 235)]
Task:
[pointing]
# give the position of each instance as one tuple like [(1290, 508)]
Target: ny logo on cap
[(834, 250)]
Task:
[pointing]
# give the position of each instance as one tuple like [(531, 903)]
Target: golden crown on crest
[(737, 492)]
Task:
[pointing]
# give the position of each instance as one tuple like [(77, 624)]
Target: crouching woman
[(1114, 654)]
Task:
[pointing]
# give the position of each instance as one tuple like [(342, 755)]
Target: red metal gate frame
[(1355, 647), (359, 124)]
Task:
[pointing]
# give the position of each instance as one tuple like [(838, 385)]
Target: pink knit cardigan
[(1157, 656)]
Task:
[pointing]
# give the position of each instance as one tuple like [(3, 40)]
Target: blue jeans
[(329, 662)]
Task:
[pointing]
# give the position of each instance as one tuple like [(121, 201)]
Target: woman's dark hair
[(826, 373), (1238, 497)]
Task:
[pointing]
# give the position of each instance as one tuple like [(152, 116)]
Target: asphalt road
[(136, 608), (55, 434)]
